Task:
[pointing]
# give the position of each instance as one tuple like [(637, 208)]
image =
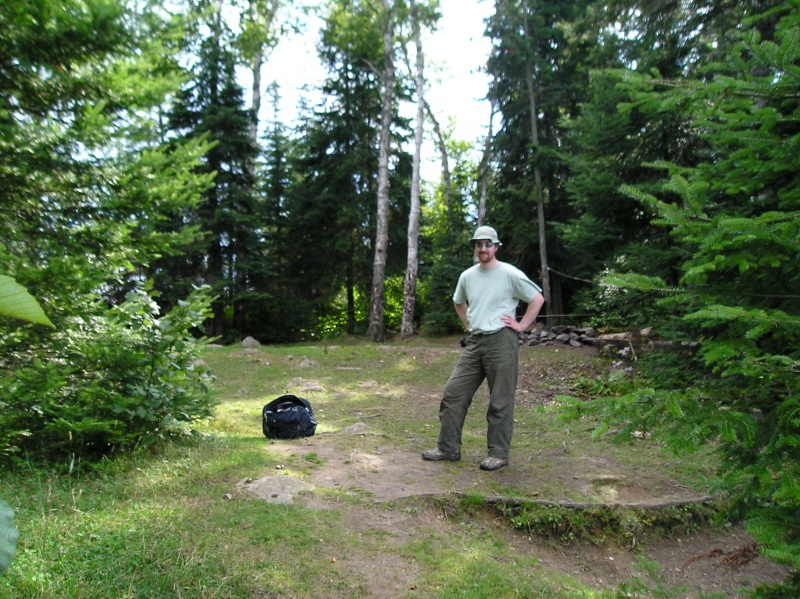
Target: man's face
[(484, 250)]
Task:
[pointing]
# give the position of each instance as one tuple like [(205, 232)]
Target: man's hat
[(485, 232)]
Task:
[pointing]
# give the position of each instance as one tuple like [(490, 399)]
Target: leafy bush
[(105, 382)]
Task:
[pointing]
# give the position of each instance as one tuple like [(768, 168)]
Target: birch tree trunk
[(260, 17), (375, 331), (448, 183), (410, 286), (256, 103)]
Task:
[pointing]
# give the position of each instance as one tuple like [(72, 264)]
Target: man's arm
[(527, 319), (461, 310)]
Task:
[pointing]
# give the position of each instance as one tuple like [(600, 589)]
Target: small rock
[(250, 342), (354, 428), (312, 386), (278, 489)]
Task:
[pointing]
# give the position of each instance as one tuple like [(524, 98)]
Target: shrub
[(106, 382)]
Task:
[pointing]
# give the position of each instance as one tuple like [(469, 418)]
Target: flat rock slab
[(276, 489)]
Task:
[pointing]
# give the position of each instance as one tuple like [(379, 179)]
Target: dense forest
[(644, 165)]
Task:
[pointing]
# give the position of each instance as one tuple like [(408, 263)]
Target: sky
[(455, 54)]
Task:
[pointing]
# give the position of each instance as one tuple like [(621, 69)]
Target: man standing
[(486, 300)]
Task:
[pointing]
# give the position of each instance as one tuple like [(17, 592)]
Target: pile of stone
[(560, 335), (577, 337)]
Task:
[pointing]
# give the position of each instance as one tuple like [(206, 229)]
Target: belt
[(488, 334)]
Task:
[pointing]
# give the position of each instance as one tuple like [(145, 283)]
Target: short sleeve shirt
[(491, 293)]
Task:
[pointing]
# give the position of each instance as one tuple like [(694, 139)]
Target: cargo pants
[(495, 358)]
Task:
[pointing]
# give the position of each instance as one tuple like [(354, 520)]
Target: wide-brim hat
[(485, 232)]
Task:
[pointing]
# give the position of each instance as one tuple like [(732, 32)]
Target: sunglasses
[(484, 244)]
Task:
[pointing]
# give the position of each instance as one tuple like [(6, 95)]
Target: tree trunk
[(215, 271), (483, 169), (410, 286), (260, 18), (537, 183), (351, 297), (448, 184), (256, 105), (375, 331)]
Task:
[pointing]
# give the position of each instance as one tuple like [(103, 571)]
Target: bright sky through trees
[(455, 56)]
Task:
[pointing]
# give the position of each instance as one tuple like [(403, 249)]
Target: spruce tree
[(737, 223), (538, 80), (210, 106)]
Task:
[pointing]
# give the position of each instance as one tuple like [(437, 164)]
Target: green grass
[(170, 523)]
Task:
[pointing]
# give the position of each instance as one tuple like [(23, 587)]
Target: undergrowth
[(598, 525)]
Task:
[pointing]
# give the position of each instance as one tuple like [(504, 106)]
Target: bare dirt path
[(383, 478)]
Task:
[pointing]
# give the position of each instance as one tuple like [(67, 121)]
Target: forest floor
[(365, 462)]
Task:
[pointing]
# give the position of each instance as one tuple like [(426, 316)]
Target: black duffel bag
[(288, 417)]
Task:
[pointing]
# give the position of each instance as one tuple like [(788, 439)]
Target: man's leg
[(501, 361), (467, 376)]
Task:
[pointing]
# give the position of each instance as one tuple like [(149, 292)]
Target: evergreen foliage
[(534, 66), (737, 224), (210, 106), (614, 138), (99, 195)]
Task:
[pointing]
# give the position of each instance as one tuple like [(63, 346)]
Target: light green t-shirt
[(491, 293)]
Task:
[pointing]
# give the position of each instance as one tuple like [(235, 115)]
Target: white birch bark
[(446, 178), (412, 263), (376, 329)]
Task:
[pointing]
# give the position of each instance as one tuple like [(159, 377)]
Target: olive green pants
[(492, 357)]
